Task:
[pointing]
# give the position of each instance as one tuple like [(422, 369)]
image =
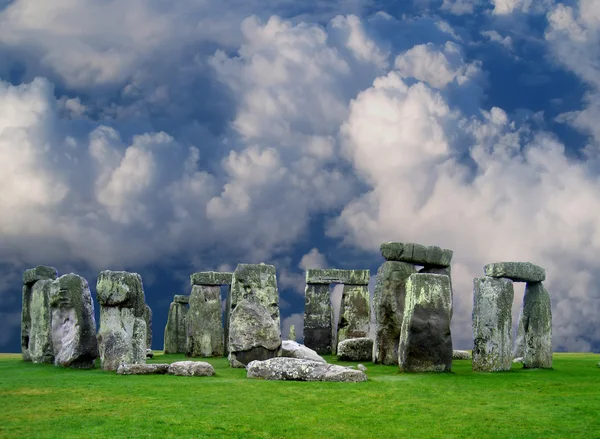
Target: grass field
[(43, 401)]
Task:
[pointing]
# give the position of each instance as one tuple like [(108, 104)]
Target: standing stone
[(122, 334), (176, 328), (204, 322), (354, 313), (447, 271), (492, 324), (30, 277), (425, 339), (40, 333), (148, 320), (73, 322), (536, 321), (388, 298), (254, 321), (318, 318), (292, 333)]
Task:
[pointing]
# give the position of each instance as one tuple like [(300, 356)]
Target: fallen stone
[(148, 320), (143, 369), (211, 278), (149, 353), (355, 313), (536, 318), (295, 369), (191, 369), (291, 349), (355, 349), (516, 271), (361, 367), (432, 256), (492, 324), (41, 272), (204, 322), (426, 340), (181, 298), (40, 333), (333, 275), (388, 306), (73, 323), (318, 318), (461, 355), (175, 335)]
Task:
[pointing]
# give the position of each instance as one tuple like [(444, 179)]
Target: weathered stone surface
[(40, 334), (176, 329), (254, 331), (425, 339), (181, 298), (204, 322), (294, 369), (292, 333), (211, 278), (191, 369), (123, 289), (41, 272), (432, 256), (536, 319), (143, 369), (73, 322), (516, 271), (492, 324), (447, 271), (361, 367), (388, 301), (148, 320), (318, 318), (291, 349), (336, 276), (355, 349), (461, 355), (354, 313)]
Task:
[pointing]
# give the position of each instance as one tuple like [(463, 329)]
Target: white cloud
[(313, 259), (459, 7), (505, 7)]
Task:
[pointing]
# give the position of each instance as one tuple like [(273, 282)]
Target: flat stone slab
[(294, 369), (461, 355), (143, 369), (211, 278), (432, 256), (516, 271), (355, 349), (181, 298), (292, 349), (41, 272), (335, 276), (191, 369)]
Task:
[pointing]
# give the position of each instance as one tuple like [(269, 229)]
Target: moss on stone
[(211, 278), (334, 275), (41, 272), (516, 271)]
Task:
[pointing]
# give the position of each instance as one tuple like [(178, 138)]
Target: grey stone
[(432, 256), (123, 289), (292, 333), (447, 271), (492, 324), (295, 369), (425, 339), (461, 355), (361, 367), (336, 276), (354, 313), (176, 329), (73, 322), (41, 272), (318, 318), (598, 365), (204, 322), (211, 278), (143, 369), (355, 349), (191, 369), (292, 349), (40, 334), (516, 271), (254, 331), (388, 306), (536, 319), (181, 298), (148, 320)]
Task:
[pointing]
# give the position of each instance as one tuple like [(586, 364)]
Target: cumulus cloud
[(313, 259)]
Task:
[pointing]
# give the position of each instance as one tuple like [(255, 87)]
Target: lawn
[(43, 401)]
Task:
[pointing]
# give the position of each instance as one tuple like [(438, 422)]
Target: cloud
[(296, 319), (313, 259), (459, 7)]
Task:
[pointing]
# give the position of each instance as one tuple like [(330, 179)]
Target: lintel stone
[(516, 271), (41, 272), (333, 275), (211, 278), (181, 298), (432, 256)]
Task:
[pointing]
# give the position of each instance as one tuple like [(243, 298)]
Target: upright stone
[(492, 324), (292, 333), (536, 321), (254, 321), (425, 339), (40, 334), (204, 322), (447, 271), (73, 322), (30, 277), (148, 320), (354, 313), (176, 328), (122, 334), (388, 301), (318, 319)]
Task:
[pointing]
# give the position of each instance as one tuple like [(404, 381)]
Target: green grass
[(43, 401)]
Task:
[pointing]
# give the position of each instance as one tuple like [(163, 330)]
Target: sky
[(166, 138)]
